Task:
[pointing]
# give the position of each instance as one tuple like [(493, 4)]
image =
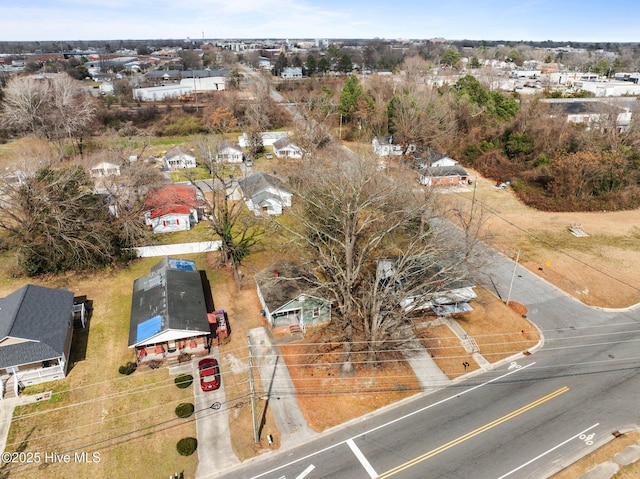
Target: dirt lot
[(602, 269)]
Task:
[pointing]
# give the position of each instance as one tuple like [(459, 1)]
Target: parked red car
[(209, 374)]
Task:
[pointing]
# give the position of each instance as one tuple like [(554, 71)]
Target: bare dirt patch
[(602, 269), (328, 398)]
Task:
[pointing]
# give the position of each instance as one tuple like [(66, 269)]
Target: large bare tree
[(55, 108), (376, 249)]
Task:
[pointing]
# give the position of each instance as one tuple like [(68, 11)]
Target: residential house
[(171, 313), (105, 169), (172, 208), (429, 283), (285, 148), (268, 138), (179, 158), (431, 158), (264, 194), (383, 146), (228, 152), (593, 112), (290, 297), (444, 176), (36, 328), (291, 72)]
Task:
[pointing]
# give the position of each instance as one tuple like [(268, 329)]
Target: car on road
[(268, 156), (209, 372)]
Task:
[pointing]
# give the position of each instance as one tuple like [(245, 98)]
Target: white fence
[(176, 249)]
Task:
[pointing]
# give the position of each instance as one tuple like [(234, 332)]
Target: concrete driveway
[(212, 425)]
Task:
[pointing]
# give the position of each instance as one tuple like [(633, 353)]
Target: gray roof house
[(264, 194), (289, 296), (36, 327), (444, 176), (424, 282), (169, 314), (179, 157), (228, 152), (285, 148)]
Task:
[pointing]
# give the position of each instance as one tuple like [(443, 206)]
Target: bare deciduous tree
[(231, 222), (54, 108), (375, 249)]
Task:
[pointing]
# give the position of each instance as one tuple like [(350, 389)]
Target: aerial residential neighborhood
[(266, 255)]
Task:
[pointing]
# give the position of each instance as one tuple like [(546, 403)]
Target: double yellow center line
[(473, 433)]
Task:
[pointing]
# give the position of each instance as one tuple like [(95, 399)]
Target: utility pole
[(513, 275), (256, 433), (473, 199)]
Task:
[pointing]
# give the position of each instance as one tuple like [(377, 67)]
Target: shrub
[(154, 363), (184, 126), (184, 409), (187, 446), (184, 381), (127, 368)]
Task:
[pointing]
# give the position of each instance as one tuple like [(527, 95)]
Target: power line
[(488, 208)]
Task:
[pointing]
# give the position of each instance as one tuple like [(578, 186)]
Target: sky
[(537, 20)]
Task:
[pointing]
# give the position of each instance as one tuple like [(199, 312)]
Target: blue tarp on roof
[(148, 328), (182, 265)]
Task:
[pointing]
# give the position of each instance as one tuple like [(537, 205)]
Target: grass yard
[(129, 420)]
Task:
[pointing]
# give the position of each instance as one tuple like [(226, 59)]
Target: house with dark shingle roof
[(444, 176), (36, 327), (169, 312), (264, 194), (289, 295)]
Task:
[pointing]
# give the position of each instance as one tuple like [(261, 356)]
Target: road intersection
[(528, 417)]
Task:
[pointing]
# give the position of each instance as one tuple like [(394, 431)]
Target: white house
[(291, 72), (159, 93), (445, 161), (285, 148), (428, 283), (265, 194), (104, 169), (179, 158), (228, 152), (268, 138), (172, 208), (383, 146)]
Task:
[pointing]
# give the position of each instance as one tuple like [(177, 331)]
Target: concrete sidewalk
[(6, 412), (279, 388), (607, 470)]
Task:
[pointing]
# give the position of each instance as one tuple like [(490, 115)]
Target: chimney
[(276, 273)]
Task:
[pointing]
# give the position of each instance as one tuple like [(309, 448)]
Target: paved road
[(528, 418)]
